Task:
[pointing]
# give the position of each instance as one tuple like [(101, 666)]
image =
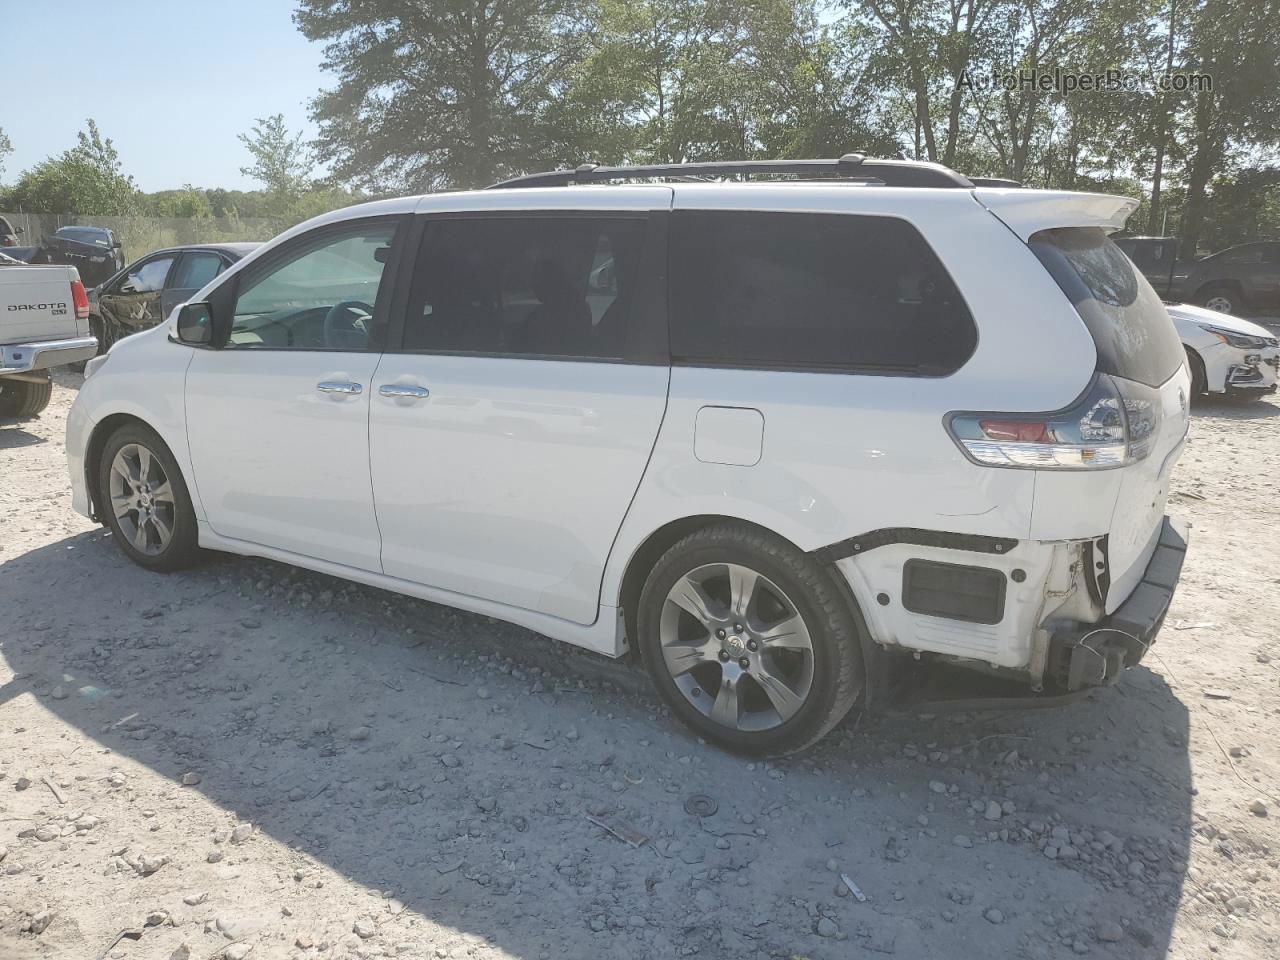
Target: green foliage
[(86, 179), (676, 80), (439, 94), (281, 162), (187, 202), (6, 148)]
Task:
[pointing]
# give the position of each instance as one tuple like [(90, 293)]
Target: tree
[(437, 93), (281, 162), (6, 148), (187, 203), (87, 179), (1237, 44), (676, 80)]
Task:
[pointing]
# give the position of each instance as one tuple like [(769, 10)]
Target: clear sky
[(170, 81)]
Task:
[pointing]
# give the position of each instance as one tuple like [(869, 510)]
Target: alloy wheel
[(142, 499), (736, 647)]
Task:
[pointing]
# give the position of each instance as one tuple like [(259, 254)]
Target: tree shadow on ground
[(381, 737)]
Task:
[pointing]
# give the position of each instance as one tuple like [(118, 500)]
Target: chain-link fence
[(140, 235)]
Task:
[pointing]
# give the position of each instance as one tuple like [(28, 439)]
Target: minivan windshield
[(1130, 326)]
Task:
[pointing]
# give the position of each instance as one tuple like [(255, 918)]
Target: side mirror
[(195, 325)]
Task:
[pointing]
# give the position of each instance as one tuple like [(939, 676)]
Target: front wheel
[(142, 494), (749, 640)]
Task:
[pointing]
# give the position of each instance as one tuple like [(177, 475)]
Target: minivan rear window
[(813, 291), (1131, 328)]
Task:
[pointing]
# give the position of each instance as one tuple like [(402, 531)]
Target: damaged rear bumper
[(1090, 655)]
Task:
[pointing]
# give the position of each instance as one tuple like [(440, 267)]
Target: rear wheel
[(145, 501), (1222, 297), (749, 641), (23, 398)]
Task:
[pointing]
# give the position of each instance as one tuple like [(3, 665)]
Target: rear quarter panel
[(844, 454)]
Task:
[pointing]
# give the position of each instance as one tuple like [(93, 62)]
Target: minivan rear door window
[(1130, 326)]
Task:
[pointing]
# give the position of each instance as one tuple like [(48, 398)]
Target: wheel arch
[(1209, 286), (1198, 371), (660, 540), (102, 431)]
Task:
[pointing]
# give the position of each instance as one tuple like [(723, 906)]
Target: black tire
[(1199, 381), (96, 330), (1225, 297), (181, 549), (23, 398), (110, 334), (836, 674)]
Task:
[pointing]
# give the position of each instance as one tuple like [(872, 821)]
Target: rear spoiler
[(1028, 211)]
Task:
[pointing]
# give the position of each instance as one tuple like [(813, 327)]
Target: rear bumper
[(1096, 654), (27, 357)]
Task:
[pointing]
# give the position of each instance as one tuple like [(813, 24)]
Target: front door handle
[(339, 386), (408, 390)]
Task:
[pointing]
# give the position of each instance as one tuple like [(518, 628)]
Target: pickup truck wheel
[(749, 640), (145, 500), (23, 398), (1222, 297)]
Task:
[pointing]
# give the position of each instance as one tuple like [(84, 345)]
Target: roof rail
[(995, 182), (852, 166)]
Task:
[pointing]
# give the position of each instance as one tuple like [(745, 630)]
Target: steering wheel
[(340, 333)]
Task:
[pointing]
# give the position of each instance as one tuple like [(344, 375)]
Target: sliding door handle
[(404, 390), (339, 386)]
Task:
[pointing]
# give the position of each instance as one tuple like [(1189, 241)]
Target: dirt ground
[(252, 760)]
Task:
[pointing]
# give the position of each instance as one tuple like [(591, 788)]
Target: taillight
[(80, 299), (1110, 426)]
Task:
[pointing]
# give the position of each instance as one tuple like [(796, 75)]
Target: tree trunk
[(479, 100), (959, 64), (1207, 150), (1162, 125)]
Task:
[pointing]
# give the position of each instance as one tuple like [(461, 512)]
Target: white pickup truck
[(44, 323)]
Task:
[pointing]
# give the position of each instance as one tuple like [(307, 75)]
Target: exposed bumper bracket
[(1096, 654)]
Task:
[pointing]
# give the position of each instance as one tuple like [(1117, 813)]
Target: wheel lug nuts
[(719, 634), (737, 628), (744, 663), (724, 657), (752, 645)]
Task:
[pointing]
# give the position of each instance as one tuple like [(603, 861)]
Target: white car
[(1224, 353), (799, 434)]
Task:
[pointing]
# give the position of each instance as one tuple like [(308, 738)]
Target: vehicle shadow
[(378, 737), (1224, 407), (13, 436)]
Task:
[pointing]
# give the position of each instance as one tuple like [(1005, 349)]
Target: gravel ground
[(248, 759)]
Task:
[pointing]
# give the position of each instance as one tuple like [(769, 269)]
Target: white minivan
[(779, 426)]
